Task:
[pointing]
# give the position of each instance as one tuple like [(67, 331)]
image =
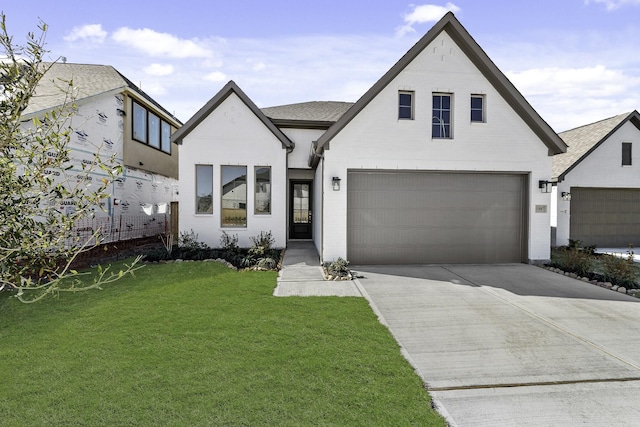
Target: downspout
[(314, 155), (286, 194)]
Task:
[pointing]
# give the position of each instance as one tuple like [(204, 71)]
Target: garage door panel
[(429, 217), (605, 217)]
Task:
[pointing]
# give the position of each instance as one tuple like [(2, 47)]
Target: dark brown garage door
[(605, 217), (435, 218)]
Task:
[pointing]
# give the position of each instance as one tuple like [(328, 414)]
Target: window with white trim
[(477, 109), (405, 105)]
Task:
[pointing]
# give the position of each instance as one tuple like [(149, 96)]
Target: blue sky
[(576, 61)]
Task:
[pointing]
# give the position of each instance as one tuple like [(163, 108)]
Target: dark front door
[(300, 215)]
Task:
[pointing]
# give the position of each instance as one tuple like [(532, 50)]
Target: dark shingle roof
[(582, 140), (314, 111)]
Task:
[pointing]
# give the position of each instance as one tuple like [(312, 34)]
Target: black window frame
[(626, 154), (259, 182), (441, 116), (198, 185), (236, 182), (144, 136)]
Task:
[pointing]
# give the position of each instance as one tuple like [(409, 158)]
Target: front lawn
[(198, 344)]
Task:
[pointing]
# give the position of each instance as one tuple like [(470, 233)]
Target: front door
[(300, 211)]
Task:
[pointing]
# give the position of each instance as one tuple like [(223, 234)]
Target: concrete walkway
[(301, 275)]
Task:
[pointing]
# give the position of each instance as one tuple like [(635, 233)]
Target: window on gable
[(405, 105), (234, 196), (262, 190), (148, 128), (626, 154), (441, 117), (204, 189), (477, 109)]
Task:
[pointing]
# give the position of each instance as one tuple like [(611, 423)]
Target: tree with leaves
[(37, 241)]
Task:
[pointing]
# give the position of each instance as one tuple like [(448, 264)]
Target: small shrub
[(620, 271), (229, 243), (577, 244), (573, 259), (189, 241), (262, 244), (261, 254), (339, 268)]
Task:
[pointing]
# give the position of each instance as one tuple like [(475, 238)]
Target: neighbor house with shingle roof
[(113, 117), (598, 183), (440, 161)]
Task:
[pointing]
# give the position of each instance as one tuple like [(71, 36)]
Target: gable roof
[(583, 140), (218, 99), (474, 52), (89, 80), (309, 115)]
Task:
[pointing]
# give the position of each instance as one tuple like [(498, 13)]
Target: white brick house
[(439, 162), (598, 183)]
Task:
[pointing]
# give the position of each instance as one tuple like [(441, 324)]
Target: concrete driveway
[(513, 345)]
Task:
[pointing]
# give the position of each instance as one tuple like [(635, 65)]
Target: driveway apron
[(513, 344)]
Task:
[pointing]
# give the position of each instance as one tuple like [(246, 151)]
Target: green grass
[(197, 344)]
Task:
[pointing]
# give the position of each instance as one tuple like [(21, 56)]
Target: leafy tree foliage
[(42, 192)]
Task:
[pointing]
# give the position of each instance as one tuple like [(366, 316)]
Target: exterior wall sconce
[(545, 186), (335, 183), (566, 196)]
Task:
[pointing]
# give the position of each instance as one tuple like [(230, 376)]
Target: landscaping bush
[(338, 268), (573, 259), (619, 271), (261, 255)]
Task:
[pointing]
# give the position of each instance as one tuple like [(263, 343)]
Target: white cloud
[(423, 14), (92, 32), (571, 97), (158, 44), (153, 88), (159, 69), (614, 4), (259, 66), (589, 81), (216, 77)]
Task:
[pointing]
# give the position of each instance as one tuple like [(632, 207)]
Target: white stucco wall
[(299, 157), (376, 139), (233, 135), (601, 169)]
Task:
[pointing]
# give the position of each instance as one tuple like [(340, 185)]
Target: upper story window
[(405, 105), (626, 154), (441, 116), (150, 129), (477, 109)]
